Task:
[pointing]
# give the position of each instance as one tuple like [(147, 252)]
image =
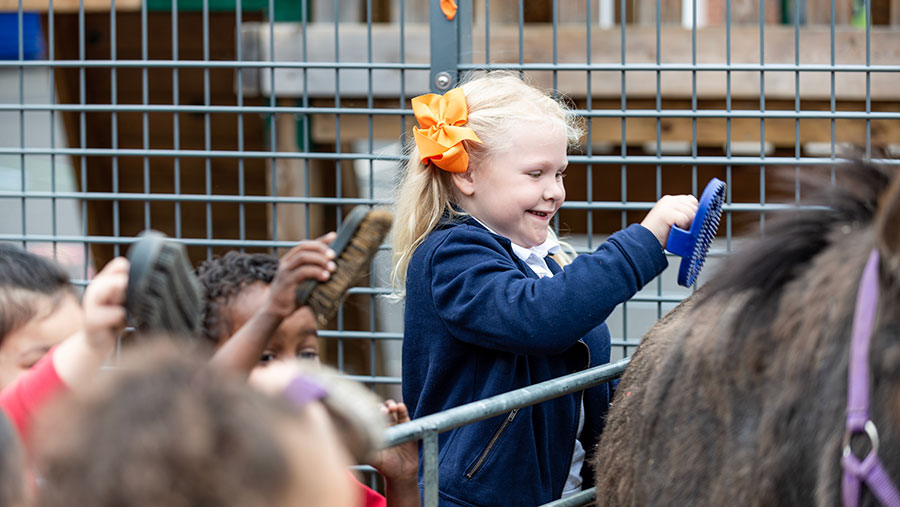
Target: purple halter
[(870, 469)]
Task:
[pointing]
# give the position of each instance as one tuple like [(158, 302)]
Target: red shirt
[(22, 399), (371, 498)]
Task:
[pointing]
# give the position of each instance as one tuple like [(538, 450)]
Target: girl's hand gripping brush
[(692, 245), (358, 240)]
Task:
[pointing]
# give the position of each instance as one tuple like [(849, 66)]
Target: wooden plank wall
[(98, 127)]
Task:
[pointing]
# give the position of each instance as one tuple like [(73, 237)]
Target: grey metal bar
[(580, 205), (585, 497), (703, 67), (51, 54), (464, 21), (797, 98), (623, 144), (338, 148), (371, 189), (487, 32), (374, 379), (114, 124), (305, 101), (207, 138), (212, 64), (444, 37), (495, 405), (360, 111), (176, 127), (589, 176), (108, 240), (597, 159), (23, 177), (868, 7), (521, 14), (694, 100), (606, 67), (271, 119), (658, 194), (728, 178), (762, 107), (82, 131), (832, 76), (430, 466), (242, 210), (145, 118)]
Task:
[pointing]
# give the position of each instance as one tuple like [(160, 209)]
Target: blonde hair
[(497, 102)]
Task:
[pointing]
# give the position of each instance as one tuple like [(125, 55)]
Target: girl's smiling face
[(516, 192)]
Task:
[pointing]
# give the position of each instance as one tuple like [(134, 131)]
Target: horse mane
[(793, 238)]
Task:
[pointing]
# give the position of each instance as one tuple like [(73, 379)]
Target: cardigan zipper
[(491, 443)]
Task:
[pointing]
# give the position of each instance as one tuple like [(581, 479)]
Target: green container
[(285, 10)]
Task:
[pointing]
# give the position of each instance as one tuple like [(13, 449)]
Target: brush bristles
[(171, 297), (352, 263), (706, 235)]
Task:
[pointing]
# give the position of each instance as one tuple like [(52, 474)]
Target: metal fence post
[(451, 44), (430, 459)]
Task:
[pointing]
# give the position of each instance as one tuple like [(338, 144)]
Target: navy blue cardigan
[(479, 322)]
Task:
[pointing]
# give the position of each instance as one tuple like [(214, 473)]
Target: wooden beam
[(710, 131), (69, 5), (538, 47)]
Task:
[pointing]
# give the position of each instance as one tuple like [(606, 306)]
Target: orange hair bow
[(441, 118)]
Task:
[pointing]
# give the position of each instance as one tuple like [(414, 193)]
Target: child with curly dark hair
[(249, 312), (251, 316)]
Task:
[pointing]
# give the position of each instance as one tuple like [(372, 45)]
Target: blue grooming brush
[(693, 245)]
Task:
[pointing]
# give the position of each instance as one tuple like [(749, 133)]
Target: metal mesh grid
[(254, 124)]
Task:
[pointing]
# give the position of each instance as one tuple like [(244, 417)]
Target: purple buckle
[(869, 470)]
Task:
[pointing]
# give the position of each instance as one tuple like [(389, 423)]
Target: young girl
[(487, 310)]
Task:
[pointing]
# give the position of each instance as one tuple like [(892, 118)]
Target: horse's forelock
[(793, 238)]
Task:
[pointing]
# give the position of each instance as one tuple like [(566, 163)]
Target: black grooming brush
[(358, 240), (163, 294)]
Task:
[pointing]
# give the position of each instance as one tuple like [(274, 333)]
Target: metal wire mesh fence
[(252, 124)]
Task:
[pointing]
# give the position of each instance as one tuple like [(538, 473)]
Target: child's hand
[(400, 462), (670, 210), (104, 313), (309, 260), (78, 358)]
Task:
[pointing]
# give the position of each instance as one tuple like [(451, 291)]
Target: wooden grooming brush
[(361, 234)]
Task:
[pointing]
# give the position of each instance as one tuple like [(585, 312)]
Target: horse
[(738, 396)]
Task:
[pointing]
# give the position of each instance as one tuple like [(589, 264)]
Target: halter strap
[(869, 470)]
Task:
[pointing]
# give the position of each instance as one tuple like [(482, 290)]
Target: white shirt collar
[(548, 247)]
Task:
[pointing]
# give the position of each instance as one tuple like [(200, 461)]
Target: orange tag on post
[(448, 7), (441, 133)]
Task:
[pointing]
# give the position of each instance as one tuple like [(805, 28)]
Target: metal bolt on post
[(443, 81)]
